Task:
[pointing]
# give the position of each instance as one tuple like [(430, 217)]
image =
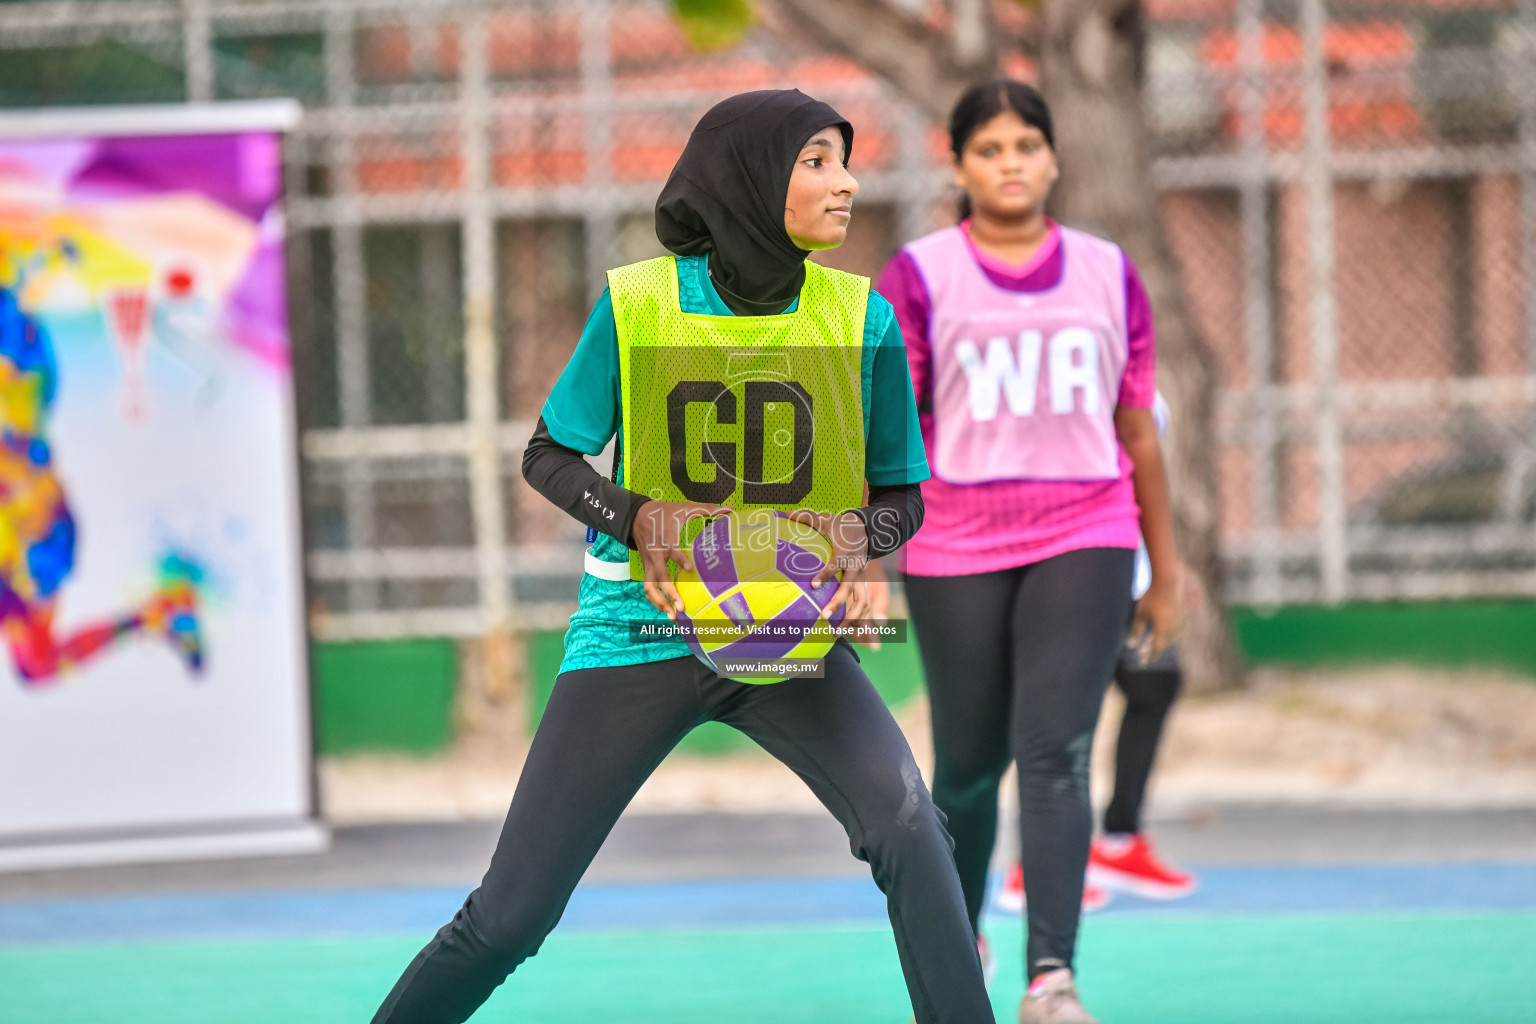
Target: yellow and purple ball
[(749, 595)]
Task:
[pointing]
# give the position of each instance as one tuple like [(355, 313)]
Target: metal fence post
[(599, 222), (350, 273), (483, 406), (1526, 89), (197, 48), (1258, 320), (1317, 173), (422, 40), (915, 215), (1522, 454)]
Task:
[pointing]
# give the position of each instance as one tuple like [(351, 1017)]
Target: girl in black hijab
[(725, 197), (761, 183)]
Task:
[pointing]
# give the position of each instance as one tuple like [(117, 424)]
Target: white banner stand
[(154, 686)]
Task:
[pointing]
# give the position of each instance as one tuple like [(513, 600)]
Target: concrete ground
[(673, 847)]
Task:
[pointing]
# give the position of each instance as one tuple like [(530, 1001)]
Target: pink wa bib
[(1025, 384)]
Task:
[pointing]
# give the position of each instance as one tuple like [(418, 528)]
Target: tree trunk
[(1091, 72), (927, 67)]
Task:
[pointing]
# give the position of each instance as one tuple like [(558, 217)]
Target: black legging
[(1017, 664), (606, 729), (1150, 691)]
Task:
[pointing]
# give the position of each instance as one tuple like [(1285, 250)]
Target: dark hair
[(984, 101)]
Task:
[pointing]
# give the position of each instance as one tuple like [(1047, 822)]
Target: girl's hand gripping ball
[(658, 534), (850, 556)]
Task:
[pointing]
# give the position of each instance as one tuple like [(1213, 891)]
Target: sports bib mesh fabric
[(1025, 384), (750, 412)]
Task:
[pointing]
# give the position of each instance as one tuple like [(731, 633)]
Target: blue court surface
[(1442, 943)]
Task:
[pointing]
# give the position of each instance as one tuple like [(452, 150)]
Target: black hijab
[(726, 195)]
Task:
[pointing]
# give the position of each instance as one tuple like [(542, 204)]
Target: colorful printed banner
[(153, 670)]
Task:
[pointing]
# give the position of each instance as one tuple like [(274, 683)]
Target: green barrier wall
[(398, 695), (385, 695), (1492, 634)]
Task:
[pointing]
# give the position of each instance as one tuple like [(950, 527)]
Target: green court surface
[(1148, 969)]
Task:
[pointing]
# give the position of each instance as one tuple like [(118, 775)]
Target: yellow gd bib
[(745, 411)]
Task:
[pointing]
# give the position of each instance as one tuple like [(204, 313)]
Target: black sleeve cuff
[(892, 516), (570, 483)]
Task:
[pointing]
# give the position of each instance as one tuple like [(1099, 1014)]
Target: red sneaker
[(1131, 866), (1010, 898)]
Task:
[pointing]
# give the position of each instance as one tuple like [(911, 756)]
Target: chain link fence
[(1350, 190)]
